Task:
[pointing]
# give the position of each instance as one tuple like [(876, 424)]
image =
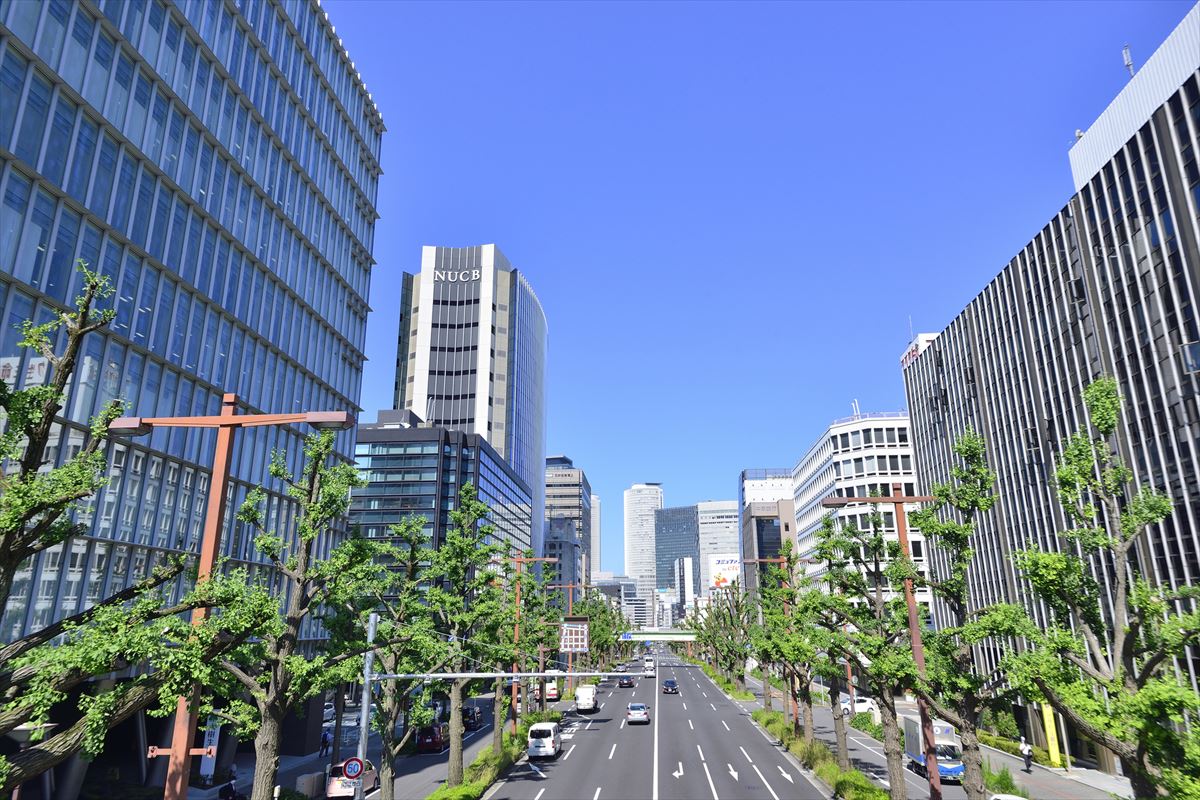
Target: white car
[(637, 712), (862, 705), (337, 785), (545, 740), (327, 714)]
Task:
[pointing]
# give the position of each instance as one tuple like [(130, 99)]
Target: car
[(626, 682), (338, 785), (648, 671), (472, 718), (328, 712), (545, 740), (670, 687), (637, 712), (551, 690), (862, 705), (621, 668), (433, 738)]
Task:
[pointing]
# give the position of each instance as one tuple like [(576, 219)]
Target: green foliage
[(1040, 754), (1001, 722), (863, 722), (1001, 782)]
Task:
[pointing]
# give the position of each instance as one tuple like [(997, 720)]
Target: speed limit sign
[(353, 768)]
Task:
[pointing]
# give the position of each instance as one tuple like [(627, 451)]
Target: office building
[(676, 536), (219, 163), (623, 591), (641, 501), (563, 543), (594, 548), (719, 536), (687, 576), (766, 517), (569, 496), (416, 470), (1107, 287), (472, 357), (858, 456)]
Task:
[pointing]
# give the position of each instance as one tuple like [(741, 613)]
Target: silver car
[(637, 712)]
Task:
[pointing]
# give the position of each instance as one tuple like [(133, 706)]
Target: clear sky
[(730, 212)]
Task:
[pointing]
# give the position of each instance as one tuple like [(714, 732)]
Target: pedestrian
[(1027, 754), (326, 742)]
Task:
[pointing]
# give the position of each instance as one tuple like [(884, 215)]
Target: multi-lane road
[(698, 745)]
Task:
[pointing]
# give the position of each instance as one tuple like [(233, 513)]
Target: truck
[(946, 743), (585, 698)]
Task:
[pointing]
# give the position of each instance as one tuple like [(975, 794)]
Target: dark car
[(670, 687), (433, 738), (626, 682), (472, 718)]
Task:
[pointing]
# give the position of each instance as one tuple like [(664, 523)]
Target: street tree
[(465, 600), (956, 687), (791, 605), (1106, 662)]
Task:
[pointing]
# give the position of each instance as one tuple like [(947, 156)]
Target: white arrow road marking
[(679, 772), (541, 791), (701, 752), (690, 725), (610, 752), (747, 755), (790, 779), (568, 755), (711, 788), (540, 774), (764, 780), (732, 771)]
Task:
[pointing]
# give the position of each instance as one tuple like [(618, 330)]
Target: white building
[(685, 592), (857, 456), (719, 536), (595, 554), (766, 518), (641, 501)]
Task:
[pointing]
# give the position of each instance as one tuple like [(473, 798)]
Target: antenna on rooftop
[(1128, 59), (854, 405)]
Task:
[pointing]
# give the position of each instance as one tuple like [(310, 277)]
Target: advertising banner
[(724, 570)]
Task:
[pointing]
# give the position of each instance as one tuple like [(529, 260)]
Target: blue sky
[(730, 212)]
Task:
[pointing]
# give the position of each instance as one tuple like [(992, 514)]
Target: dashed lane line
[(568, 755), (747, 755), (597, 794), (690, 725), (613, 750)]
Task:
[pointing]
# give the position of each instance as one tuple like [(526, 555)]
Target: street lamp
[(225, 423)]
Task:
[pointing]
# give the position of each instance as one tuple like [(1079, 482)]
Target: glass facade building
[(219, 163), (676, 536), (472, 356), (418, 471)]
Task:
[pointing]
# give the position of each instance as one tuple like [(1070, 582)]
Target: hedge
[(487, 767), (1040, 754), (816, 755)]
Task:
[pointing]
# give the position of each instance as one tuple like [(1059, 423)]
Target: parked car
[(637, 712), (328, 712), (433, 738), (626, 682), (862, 705), (670, 687), (545, 740), (338, 785), (472, 718)]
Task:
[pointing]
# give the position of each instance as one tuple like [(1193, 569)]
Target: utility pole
[(570, 587), (520, 561), (898, 500)]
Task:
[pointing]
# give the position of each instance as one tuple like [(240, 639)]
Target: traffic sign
[(353, 768)]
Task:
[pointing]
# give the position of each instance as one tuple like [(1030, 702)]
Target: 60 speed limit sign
[(353, 768)]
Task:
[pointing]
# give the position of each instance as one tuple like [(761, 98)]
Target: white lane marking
[(541, 791), (701, 752), (732, 771), (685, 706), (677, 773), (654, 786), (726, 724), (634, 693), (588, 727), (747, 755), (690, 725), (714, 708), (597, 794), (711, 788), (540, 774), (572, 750), (613, 750), (790, 779), (608, 695), (764, 780), (705, 695), (622, 724)]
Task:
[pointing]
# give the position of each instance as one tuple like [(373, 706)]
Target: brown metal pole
[(516, 639), (914, 632), (184, 729)]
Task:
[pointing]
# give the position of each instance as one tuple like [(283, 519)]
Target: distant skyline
[(690, 188)]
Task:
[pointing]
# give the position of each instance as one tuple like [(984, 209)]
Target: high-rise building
[(766, 517), (624, 591), (415, 470), (594, 549), (472, 356), (676, 536), (569, 496), (687, 576), (641, 501), (857, 456), (719, 536), (1107, 287), (219, 163), (563, 543)]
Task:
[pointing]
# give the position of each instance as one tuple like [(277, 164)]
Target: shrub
[(1002, 723), (1001, 782), (866, 723), (1040, 754), (464, 791)]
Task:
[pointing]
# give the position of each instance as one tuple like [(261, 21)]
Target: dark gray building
[(569, 497), (1109, 286), (418, 470), (676, 535)]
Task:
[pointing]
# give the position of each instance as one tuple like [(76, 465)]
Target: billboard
[(723, 570)]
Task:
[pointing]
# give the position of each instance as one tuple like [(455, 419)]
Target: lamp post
[(898, 499), (226, 423)]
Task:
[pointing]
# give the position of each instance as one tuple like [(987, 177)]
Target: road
[(699, 745)]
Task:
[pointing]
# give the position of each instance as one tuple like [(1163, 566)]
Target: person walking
[(326, 742), (1027, 754)]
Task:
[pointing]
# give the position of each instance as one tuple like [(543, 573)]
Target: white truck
[(946, 743), (585, 698)]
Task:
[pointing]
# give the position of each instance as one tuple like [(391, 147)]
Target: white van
[(545, 740), (585, 698)]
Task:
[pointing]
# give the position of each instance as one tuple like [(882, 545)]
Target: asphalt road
[(699, 745)]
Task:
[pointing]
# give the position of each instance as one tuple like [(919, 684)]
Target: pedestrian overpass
[(658, 635)]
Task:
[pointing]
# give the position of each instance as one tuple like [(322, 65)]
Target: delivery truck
[(946, 743), (585, 698)]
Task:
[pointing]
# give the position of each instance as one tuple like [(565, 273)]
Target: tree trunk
[(766, 684), (839, 723), (498, 716), (387, 775), (803, 688), (266, 758), (339, 708), (892, 747), (972, 762), (454, 767), (1142, 784)]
